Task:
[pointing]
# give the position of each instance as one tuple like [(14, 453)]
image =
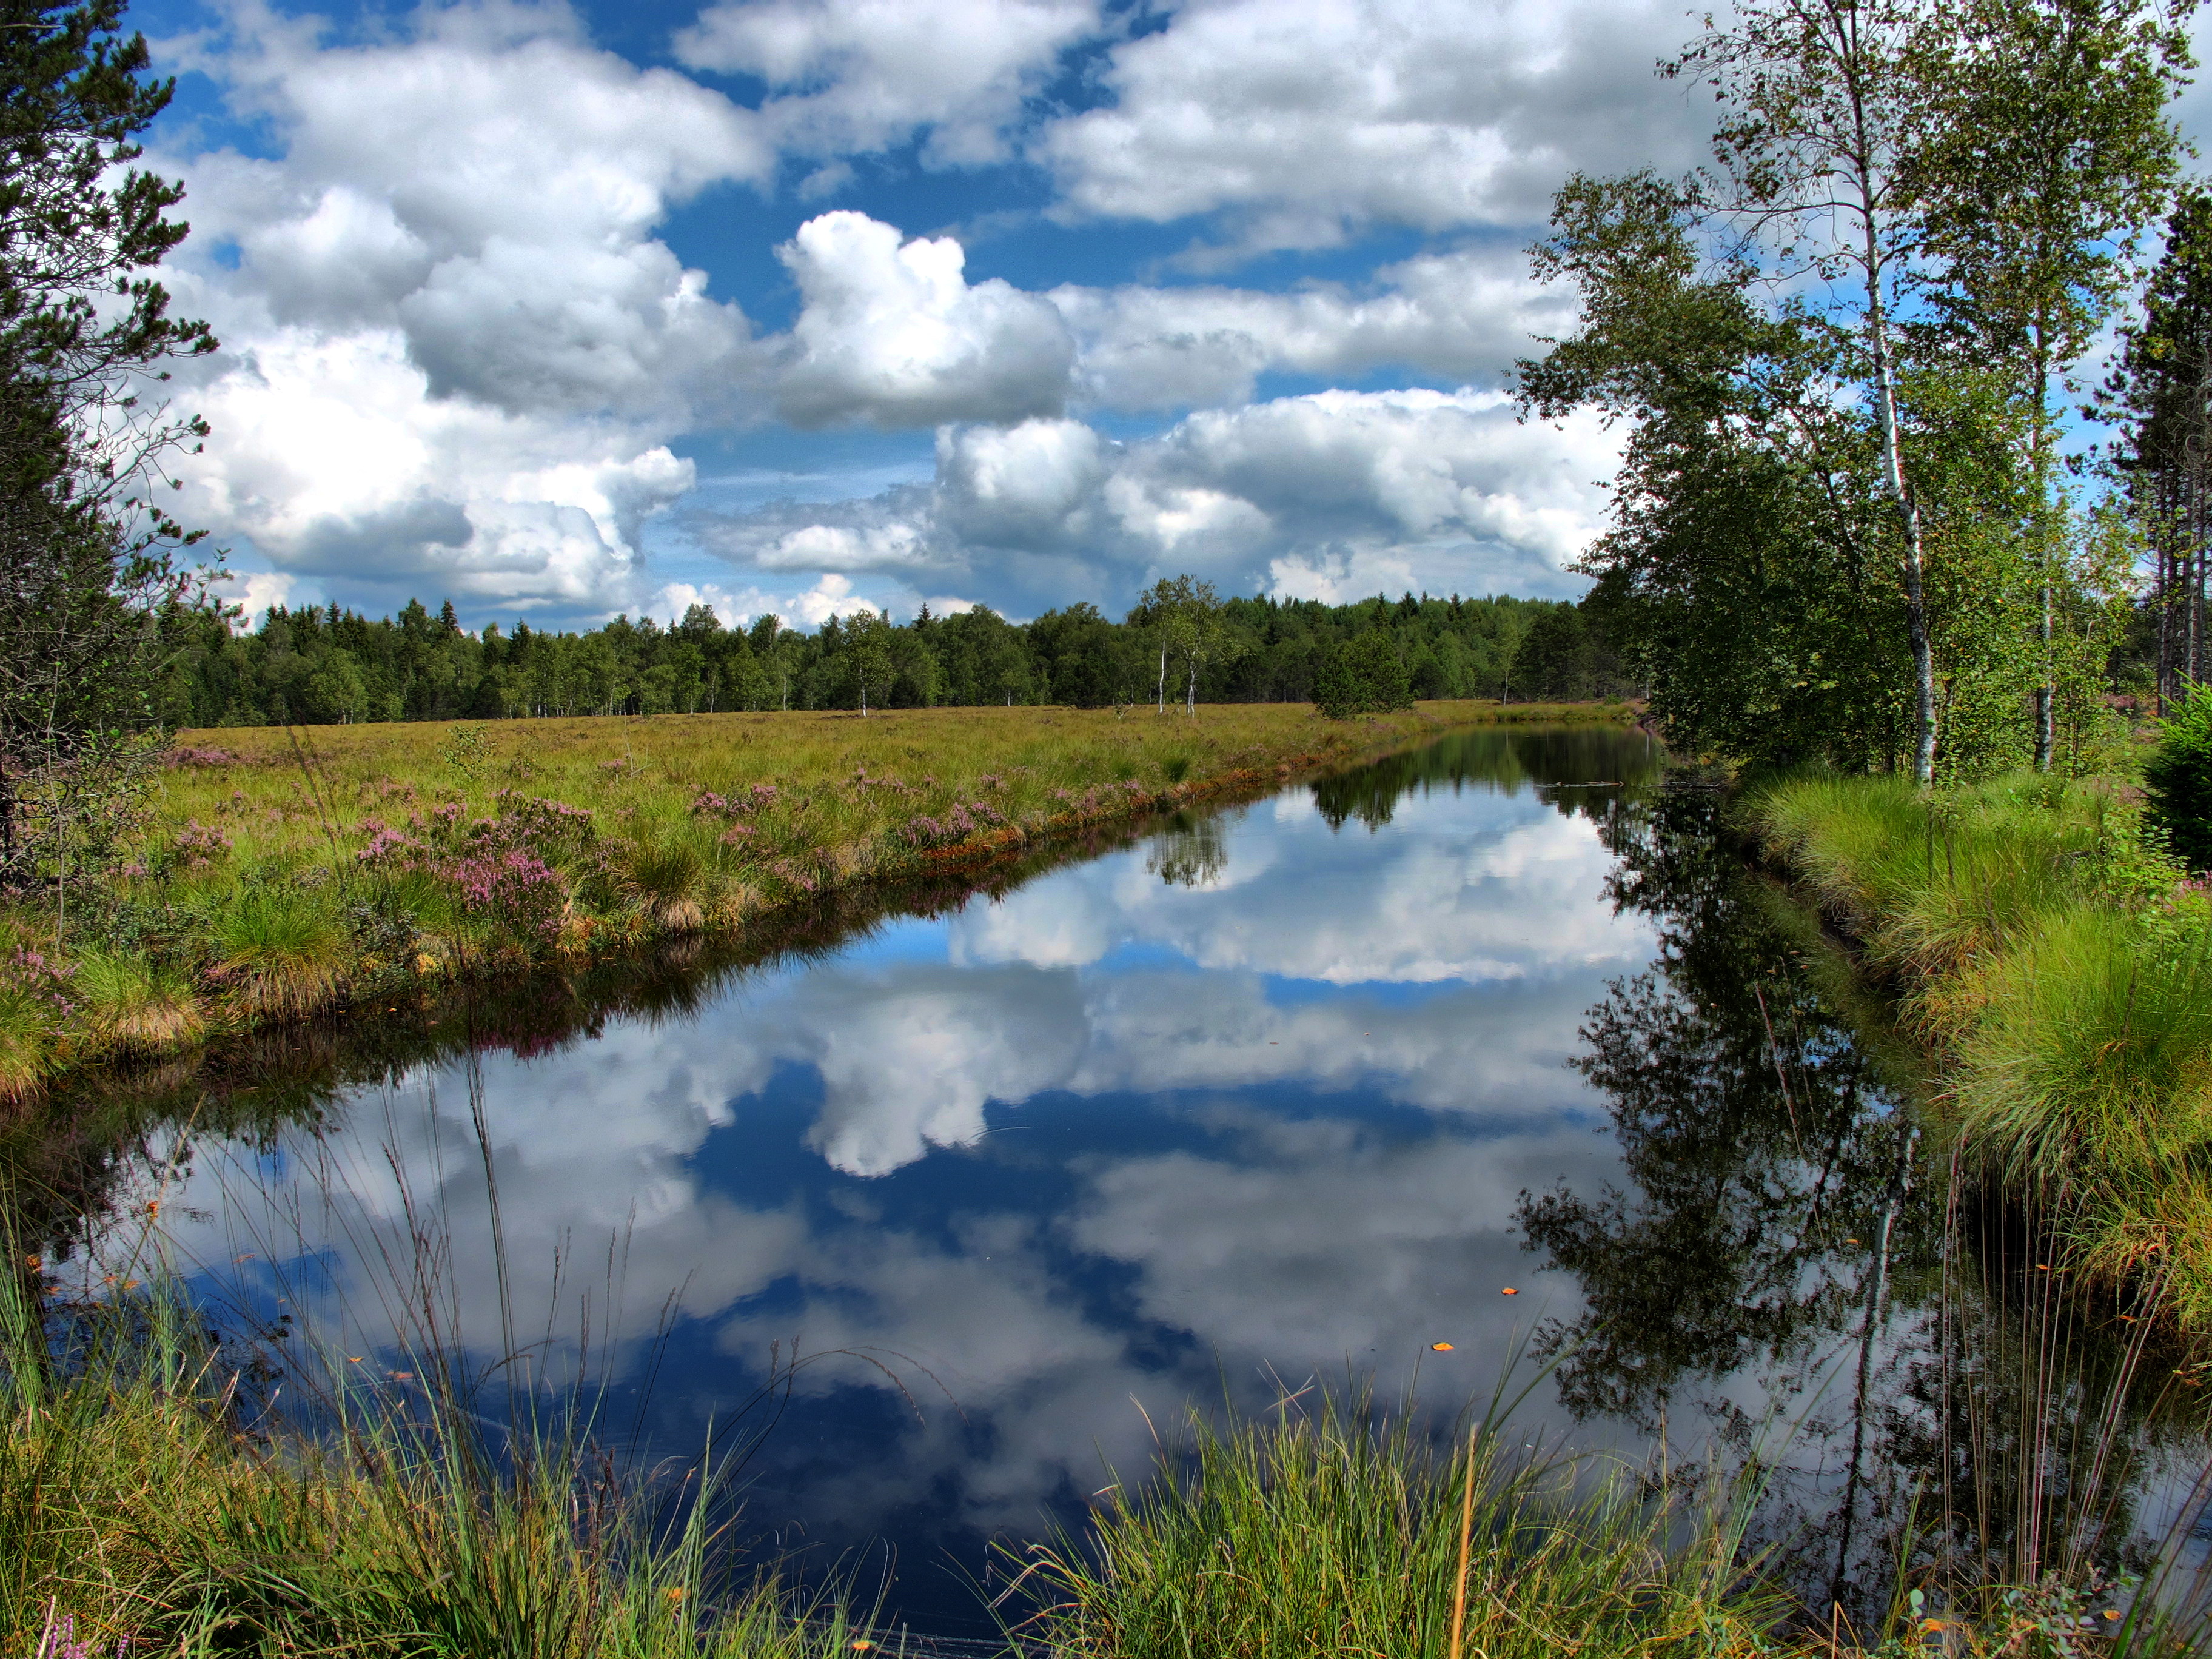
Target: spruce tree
[(89, 565)]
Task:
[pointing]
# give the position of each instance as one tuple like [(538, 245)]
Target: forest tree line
[(325, 665)]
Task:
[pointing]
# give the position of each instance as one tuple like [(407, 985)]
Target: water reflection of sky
[(1114, 1139)]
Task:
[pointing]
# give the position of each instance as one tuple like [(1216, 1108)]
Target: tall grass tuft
[(2060, 969), (669, 879), (143, 1507), (2091, 1052), (133, 1003), (280, 951), (1332, 1530)]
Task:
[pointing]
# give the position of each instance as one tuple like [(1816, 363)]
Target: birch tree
[(2051, 151), (1826, 110)]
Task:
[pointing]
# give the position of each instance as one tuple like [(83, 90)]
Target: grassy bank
[(2059, 973), (147, 1506), (1320, 1531), (268, 874), (148, 1503)]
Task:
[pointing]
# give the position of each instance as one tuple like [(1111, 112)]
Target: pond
[(1493, 1045)]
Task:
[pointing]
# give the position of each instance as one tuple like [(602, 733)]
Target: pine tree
[(89, 562)]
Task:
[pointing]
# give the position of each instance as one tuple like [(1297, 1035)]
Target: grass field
[(271, 873)]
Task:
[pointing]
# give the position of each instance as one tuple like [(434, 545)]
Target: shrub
[(2178, 780), (517, 891), (1364, 675)]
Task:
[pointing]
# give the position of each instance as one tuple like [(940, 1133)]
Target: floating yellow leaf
[(1441, 1347), (1509, 1290)]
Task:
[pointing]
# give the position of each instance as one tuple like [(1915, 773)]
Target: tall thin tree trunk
[(1908, 514), (2046, 688), (2163, 587)]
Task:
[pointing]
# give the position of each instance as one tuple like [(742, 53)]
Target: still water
[(1490, 1046)]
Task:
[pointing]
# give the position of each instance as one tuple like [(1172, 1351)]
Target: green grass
[(141, 1510), (1326, 1530), (150, 1503), (282, 873), (2059, 970), (1322, 1531)]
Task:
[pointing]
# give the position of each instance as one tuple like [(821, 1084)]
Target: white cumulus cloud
[(893, 332), (859, 75), (1304, 121), (1306, 497), (455, 350)]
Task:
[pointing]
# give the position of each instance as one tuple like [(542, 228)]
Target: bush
[(1364, 675), (2179, 781)]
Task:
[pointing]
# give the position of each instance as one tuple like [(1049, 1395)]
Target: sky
[(806, 306)]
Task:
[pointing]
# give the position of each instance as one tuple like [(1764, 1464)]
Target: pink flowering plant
[(501, 869), (953, 827)]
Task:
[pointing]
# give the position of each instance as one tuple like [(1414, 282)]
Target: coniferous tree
[(2161, 394), (89, 571)]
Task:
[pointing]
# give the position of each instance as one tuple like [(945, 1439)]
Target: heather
[(245, 877)]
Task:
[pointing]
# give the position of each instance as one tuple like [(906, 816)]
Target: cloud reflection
[(1058, 1153)]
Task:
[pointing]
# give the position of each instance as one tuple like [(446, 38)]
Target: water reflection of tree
[(1190, 852), (1574, 763), (1753, 1133), (1951, 1404)]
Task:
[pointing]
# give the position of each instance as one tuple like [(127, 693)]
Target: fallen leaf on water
[(1441, 1347), (1509, 1290), (403, 1377), (353, 1358)]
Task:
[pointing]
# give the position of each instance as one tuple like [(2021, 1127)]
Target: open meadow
[(261, 874)]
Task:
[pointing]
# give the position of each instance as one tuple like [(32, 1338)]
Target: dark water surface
[(1288, 1093)]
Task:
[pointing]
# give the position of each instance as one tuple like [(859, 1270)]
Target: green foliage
[(2178, 780), (87, 561), (1837, 536), (1364, 675), (321, 666), (1565, 657)]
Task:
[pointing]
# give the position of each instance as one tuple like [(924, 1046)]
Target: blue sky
[(804, 304)]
